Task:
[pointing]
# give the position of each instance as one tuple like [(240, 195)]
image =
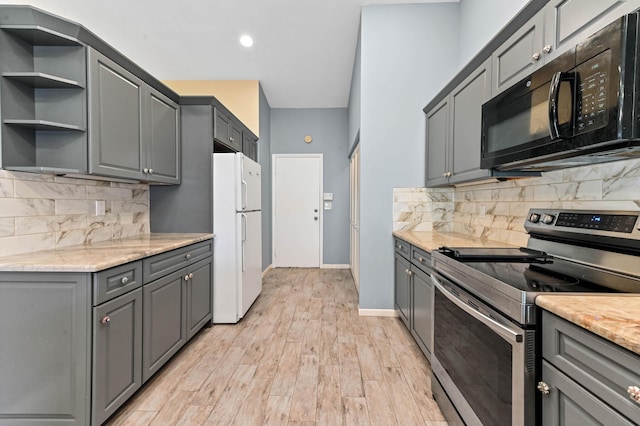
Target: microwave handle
[(554, 93)]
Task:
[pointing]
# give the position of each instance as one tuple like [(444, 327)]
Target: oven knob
[(548, 219), (534, 218)]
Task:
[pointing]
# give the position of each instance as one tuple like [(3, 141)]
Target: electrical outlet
[(100, 208)]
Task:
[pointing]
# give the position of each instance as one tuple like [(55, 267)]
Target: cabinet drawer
[(165, 263), (602, 367), (421, 259), (116, 281), (402, 247)]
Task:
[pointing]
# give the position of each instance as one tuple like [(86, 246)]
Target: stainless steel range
[(486, 357)]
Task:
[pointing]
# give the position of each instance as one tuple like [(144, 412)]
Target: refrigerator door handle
[(243, 187), (244, 236)]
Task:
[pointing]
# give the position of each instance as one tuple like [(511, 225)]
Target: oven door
[(484, 363)]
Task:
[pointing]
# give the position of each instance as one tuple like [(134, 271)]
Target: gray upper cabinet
[(520, 55), (568, 22), (454, 130), (226, 131), (116, 103), (133, 129), (250, 145), (556, 28)]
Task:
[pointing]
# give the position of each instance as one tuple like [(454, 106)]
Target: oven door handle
[(500, 329)]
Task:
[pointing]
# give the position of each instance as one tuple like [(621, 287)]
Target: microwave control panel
[(593, 82)]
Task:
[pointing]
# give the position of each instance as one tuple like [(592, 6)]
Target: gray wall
[(480, 21), (329, 130), (354, 98), (264, 158), (408, 53)]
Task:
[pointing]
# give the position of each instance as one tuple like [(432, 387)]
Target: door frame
[(274, 158)]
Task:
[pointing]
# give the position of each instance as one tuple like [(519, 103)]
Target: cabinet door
[(45, 350), (568, 403), (117, 353), (516, 58), (250, 146), (199, 296), (569, 22), (402, 284), (163, 330), (437, 144), (235, 137), (163, 139), (422, 310), (221, 126), (116, 103), (466, 127)]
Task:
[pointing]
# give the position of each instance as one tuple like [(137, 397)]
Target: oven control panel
[(608, 223)]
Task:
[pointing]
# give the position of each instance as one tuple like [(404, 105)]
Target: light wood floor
[(301, 356)]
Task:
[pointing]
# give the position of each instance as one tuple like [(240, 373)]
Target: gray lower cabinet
[(75, 346), (585, 378), (413, 292), (117, 353), (133, 129), (45, 348), (164, 330)]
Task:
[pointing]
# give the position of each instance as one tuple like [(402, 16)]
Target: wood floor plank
[(406, 409), (234, 394), (369, 364), (329, 398), (355, 411), (277, 411), (312, 340), (253, 409), (305, 394), (214, 386), (288, 367), (194, 415), (379, 403)]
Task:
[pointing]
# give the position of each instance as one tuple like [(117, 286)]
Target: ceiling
[(303, 53)]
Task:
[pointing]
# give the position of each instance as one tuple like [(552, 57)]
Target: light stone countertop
[(613, 317), (428, 240), (94, 257)]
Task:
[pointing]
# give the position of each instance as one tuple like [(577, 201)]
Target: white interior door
[(354, 178), (297, 213)]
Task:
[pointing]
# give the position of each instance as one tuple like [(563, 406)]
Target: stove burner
[(544, 280)]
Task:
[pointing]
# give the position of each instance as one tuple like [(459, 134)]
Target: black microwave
[(580, 108)]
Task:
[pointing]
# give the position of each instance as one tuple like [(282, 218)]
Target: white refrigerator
[(237, 225)]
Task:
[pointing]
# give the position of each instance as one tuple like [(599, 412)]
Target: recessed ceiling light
[(246, 41)]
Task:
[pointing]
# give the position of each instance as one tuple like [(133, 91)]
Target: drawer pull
[(124, 280), (544, 388), (634, 393), (186, 277), (420, 259), (105, 320), (187, 256), (191, 276)]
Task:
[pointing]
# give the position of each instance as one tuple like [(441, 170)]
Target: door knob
[(315, 218), (315, 210)]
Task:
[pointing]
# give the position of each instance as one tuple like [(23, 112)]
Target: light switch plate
[(328, 205), (328, 196), (100, 208)]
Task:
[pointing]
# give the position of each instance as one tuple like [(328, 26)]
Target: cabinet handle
[(399, 247), (544, 388), (191, 276), (547, 48), (150, 171), (230, 138), (124, 280), (145, 170), (187, 256), (420, 259), (186, 277), (634, 393), (105, 320)]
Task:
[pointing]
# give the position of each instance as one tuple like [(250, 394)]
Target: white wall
[(408, 53), (480, 21)]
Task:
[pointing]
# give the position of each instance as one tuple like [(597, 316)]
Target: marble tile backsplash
[(497, 210), (39, 212), (422, 209)]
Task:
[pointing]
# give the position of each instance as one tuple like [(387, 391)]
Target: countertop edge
[(121, 251)]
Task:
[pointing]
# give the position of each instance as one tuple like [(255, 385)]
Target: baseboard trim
[(270, 267), (334, 266), (377, 312)]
